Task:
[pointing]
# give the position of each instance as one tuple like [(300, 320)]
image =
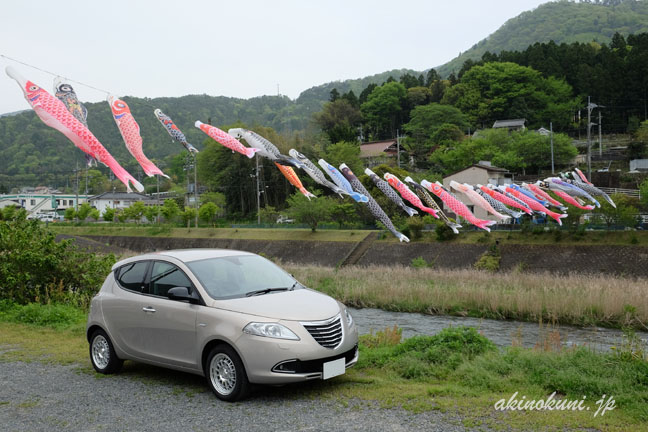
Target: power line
[(55, 74)]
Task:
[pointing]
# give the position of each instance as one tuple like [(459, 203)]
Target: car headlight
[(349, 318), (272, 330)]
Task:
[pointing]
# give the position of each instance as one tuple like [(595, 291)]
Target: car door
[(122, 310), (169, 326)]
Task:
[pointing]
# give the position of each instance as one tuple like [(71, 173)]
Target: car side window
[(131, 276), (165, 276)]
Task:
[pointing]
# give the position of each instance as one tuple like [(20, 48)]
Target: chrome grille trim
[(328, 333)]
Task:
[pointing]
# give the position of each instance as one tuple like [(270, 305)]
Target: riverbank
[(580, 300), (457, 372)]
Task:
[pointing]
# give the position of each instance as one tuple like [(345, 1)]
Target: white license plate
[(334, 368)]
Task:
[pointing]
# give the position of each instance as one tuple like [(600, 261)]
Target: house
[(480, 173), (119, 200), (42, 201), (378, 152), (511, 125)]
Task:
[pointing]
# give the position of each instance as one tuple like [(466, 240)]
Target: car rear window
[(131, 276)]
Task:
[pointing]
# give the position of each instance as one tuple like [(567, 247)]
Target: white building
[(119, 200), (42, 203)]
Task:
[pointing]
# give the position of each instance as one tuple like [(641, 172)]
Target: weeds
[(574, 299)]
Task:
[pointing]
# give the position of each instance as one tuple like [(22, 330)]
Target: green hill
[(560, 21)]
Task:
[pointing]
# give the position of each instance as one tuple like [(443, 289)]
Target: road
[(38, 396)]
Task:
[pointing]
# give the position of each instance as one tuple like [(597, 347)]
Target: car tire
[(226, 374), (102, 354)]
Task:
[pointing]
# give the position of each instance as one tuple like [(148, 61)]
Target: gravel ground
[(45, 397)]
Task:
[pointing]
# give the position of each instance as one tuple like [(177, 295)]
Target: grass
[(575, 300), (457, 371), (215, 233), (618, 238)]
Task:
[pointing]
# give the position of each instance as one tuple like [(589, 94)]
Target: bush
[(34, 267), (415, 225), (420, 262), (443, 232), (425, 356)]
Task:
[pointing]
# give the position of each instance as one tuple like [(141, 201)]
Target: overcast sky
[(237, 48)]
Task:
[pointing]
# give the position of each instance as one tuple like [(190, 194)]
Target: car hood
[(297, 305)]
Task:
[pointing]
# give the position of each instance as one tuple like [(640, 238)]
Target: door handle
[(148, 309)]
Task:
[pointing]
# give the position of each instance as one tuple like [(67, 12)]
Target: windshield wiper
[(264, 291)]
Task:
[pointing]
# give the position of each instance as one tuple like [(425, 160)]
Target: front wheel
[(226, 374), (102, 354)]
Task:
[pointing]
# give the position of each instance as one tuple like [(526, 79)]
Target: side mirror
[(182, 294)]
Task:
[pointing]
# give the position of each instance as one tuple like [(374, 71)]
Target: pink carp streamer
[(407, 194), (226, 139), (130, 132), (55, 114), (504, 199), (536, 206), (457, 206), (573, 201)]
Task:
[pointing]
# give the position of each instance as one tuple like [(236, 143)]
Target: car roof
[(185, 255)]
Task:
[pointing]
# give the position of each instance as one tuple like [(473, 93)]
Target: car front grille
[(327, 333)]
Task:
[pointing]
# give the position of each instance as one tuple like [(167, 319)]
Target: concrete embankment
[(609, 259)]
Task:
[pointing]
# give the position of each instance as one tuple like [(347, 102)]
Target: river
[(502, 333)]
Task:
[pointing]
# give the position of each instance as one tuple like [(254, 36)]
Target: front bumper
[(272, 361)]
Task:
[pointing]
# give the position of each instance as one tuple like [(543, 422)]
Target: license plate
[(333, 368)]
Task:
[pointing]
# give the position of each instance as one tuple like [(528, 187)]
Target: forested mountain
[(314, 97), (560, 21)]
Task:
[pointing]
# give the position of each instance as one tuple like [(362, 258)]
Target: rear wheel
[(102, 354), (226, 374)]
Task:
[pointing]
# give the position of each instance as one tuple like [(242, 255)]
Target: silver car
[(234, 317)]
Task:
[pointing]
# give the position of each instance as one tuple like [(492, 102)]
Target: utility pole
[(398, 147), (195, 162), (551, 140), (157, 199), (257, 191), (76, 201), (600, 136), (590, 107)]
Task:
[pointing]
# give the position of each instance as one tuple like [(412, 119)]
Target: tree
[(152, 212), (383, 109), (169, 210), (339, 120), (94, 214), (109, 214), (135, 211), (310, 212), (69, 214), (497, 91), (268, 214), (344, 152), (344, 213), (515, 151), (188, 215), (426, 119), (208, 211), (213, 197), (84, 211), (625, 214)]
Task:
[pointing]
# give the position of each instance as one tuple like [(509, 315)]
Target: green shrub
[(415, 225), (52, 315), (443, 232), (419, 262), (34, 267)]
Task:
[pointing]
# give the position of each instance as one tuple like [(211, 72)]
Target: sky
[(236, 48)]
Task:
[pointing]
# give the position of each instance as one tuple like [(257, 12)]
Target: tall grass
[(577, 299)]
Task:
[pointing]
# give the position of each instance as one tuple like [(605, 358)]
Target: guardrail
[(629, 192)]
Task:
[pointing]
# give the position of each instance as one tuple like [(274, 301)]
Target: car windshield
[(238, 276)]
